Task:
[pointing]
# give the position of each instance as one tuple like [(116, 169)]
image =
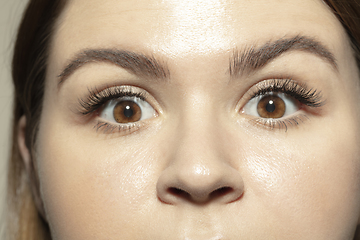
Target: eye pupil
[(127, 111), (271, 106)]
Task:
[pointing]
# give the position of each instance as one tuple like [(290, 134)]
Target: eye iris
[(127, 111), (271, 106)]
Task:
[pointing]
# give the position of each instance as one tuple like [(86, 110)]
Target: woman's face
[(184, 119)]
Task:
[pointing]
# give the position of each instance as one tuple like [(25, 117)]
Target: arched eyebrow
[(251, 58), (241, 62), (137, 64)]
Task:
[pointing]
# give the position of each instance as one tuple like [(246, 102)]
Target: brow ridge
[(251, 58), (137, 64)]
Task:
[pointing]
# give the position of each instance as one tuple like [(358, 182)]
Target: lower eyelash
[(91, 105), (306, 96), (271, 123), (109, 128)]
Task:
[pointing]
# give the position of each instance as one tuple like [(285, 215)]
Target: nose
[(199, 171), (199, 183)]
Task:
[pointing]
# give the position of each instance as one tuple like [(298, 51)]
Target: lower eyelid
[(90, 108), (281, 123), (123, 129)]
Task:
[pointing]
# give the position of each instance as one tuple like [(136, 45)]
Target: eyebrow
[(251, 59), (137, 64), (241, 62)]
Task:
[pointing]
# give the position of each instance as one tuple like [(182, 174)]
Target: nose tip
[(200, 185)]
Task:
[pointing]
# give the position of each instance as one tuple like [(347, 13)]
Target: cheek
[(94, 180), (310, 178)]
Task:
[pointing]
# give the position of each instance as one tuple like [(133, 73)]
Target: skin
[(302, 183)]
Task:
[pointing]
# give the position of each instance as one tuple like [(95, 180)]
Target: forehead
[(178, 27)]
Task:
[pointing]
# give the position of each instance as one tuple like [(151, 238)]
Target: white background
[(10, 14)]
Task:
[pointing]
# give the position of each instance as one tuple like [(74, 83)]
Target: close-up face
[(198, 119)]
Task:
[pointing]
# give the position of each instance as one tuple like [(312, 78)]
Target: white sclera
[(147, 111), (291, 105)]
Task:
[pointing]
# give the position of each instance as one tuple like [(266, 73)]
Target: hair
[(29, 67), (28, 72)]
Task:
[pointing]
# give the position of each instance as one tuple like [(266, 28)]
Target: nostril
[(179, 193), (177, 186), (221, 192)]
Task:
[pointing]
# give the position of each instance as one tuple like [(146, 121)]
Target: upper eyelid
[(307, 94), (96, 98), (128, 90), (276, 84), (287, 121)]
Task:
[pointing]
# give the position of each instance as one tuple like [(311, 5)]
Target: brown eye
[(127, 111), (271, 106)]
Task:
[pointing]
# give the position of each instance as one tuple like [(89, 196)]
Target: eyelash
[(97, 99), (306, 96), (310, 97)]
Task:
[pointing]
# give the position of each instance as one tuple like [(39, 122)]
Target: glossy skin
[(237, 179)]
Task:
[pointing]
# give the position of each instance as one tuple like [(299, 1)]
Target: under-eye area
[(281, 103)]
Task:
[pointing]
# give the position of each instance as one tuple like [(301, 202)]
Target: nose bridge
[(197, 134), (198, 121), (198, 170)]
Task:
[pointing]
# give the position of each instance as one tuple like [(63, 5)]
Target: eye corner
[(104, 106), (281, 103)]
